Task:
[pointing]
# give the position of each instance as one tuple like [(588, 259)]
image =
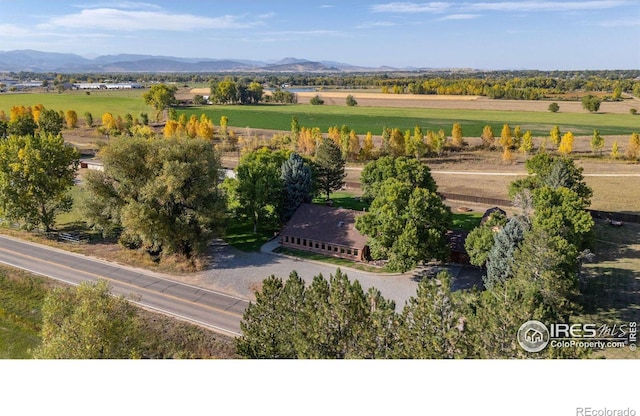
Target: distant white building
[(90, 86), (124, 86), (107, 86)]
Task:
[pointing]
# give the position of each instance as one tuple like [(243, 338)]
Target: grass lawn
[(66, 219), (344, 200), (330, 260), (466, 220), (239, 234)]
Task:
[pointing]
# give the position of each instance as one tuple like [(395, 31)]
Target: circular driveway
[(242, 273)]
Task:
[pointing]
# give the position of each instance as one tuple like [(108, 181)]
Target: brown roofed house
[(325, 230)]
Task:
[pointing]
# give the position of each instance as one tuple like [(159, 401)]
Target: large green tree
[(23, 125), (331, 318), (35, 174), (405, 225), (225, 91), (271, 325), (329, 166), (480, 240), (432, 322), (162, 193), (561, 212), (298, 184), (50, 122), (258, 185), (551, 264), (160, 97), (405, 169), (499, 312), (88, 323), (555, 172), (255, 92)]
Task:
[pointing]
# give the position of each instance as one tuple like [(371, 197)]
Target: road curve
[(215, 310)]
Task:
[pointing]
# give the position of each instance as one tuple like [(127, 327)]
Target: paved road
[(215, 298), (213, 309)]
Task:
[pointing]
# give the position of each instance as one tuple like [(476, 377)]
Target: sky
[(545, 35)]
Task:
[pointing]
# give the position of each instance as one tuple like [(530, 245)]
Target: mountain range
[(37, 61)]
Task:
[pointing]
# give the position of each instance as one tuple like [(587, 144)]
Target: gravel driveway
[(241, 273)]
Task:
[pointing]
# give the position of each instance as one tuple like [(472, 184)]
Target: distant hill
[(37, 61)]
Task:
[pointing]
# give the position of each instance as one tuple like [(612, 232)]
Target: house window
[(335, 249), (341, 250), (316, 245), (323, 247), (355, 251), (286, 239), (349, 251), (304, 242), (297, 241)]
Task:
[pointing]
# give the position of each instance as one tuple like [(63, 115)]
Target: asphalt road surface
[(215, 310)]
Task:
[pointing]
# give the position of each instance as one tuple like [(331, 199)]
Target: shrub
[(351, 102), (316, 100), (591, 103), (554, 107), (633, 111)]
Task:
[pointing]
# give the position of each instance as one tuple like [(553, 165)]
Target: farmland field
[(97, 102), (423, 111), (363, 119)]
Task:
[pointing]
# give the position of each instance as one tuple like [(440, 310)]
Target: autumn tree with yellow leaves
[(566, 143)]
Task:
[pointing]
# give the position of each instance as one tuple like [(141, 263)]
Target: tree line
[(525, 84)]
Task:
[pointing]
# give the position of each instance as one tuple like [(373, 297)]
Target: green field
[(361, 119), (364, 119), (97, 103)]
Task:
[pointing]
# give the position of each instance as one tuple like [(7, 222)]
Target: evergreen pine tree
[(500, 261), (431, 325), (297, 184), (329, 166)]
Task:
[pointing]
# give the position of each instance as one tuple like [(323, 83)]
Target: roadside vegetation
[(28, 302)]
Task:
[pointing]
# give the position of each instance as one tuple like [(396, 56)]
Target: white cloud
[(131, 5), (319, 32), (544, 6), (136, 20), (368, 25), (499, 6), (402, 7), (10, 30), (460, 16), (631, 22)]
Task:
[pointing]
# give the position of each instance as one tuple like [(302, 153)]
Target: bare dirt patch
[(459, 102)]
